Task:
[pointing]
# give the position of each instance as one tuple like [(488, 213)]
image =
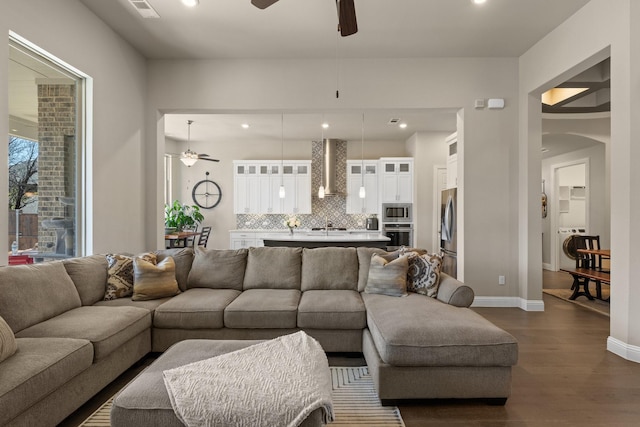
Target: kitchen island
[(317, 239)]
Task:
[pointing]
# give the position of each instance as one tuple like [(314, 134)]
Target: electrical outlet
[(501, 280)]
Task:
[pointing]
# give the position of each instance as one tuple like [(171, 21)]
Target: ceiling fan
[(347, 24), (190, 157)]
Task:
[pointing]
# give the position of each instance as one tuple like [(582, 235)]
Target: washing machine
[(567, 251)]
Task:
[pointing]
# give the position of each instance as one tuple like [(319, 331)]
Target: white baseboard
[(624, 350), (547, 266), (527, 305)]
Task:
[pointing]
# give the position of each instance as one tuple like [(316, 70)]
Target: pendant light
[(362, 193), (281, 192), (321, 188), (189, 157)]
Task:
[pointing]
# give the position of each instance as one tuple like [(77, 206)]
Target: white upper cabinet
[(355, 179), (297, 185), (246, 190), (452, 160), (396, 180)]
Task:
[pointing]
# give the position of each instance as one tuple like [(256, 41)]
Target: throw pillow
[(8, 344), (218, 268), (120, 274), (423, 275), (387, 275), (154, 281)]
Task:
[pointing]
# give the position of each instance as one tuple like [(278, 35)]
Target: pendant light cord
[(337, 65)]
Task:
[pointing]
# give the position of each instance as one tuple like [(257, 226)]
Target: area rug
[(597, 305), (355, 402)]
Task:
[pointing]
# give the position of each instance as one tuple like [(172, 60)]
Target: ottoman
[(145, 401)]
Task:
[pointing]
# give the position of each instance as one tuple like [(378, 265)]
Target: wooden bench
[(581, 278)]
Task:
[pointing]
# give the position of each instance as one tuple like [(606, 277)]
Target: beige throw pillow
[(120, 274), (387, 275), (8, 344), (423, 275), (154, 281)]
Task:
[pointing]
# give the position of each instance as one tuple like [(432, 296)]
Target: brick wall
[(56, 159)]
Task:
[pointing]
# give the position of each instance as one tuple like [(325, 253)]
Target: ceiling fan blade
[(262, 4), (347, 17), (211, 160)]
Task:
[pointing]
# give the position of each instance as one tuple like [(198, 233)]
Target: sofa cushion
[(263, 308), (196, 308), (8, 344), (364, 262), (89, 274), (154, 281), (218, 269), (331, 309), (183, 257), (120, 274), (422, 331), (387, 275), (341, 274), (106, 327), (36, 292), (273, 268), (39, 368), (423, 275)]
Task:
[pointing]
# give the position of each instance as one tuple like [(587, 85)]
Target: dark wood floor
[(564, 377)]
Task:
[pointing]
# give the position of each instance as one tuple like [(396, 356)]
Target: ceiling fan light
[(190, 3), (189, 158)]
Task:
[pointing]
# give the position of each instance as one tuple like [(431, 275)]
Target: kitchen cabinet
[(452, 161), (296, 178), (368, 205), (269, 186), (242, 239), (246, 198), (396, 180)]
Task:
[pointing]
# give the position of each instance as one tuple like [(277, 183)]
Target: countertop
[(322, 236)]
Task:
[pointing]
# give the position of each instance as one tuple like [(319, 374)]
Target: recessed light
[(402, 125), (245, 125), (190, 3), (325, 125), (479, 1)]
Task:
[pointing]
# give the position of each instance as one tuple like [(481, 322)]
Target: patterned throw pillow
[(423, 275), (387, 275), (154, 281), (120, 275), (8, 344)]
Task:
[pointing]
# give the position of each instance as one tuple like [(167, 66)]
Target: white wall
[(308, 85), (68, 30), (573, 47)]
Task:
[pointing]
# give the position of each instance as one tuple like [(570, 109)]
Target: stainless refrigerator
[(449, 232)]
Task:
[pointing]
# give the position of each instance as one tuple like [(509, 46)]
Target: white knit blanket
[(275, 383)]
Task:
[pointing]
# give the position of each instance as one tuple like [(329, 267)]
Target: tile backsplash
[(331, 208)]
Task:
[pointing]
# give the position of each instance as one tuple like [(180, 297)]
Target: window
[(46, 107)]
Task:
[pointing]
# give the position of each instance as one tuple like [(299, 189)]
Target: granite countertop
[(323, 236)]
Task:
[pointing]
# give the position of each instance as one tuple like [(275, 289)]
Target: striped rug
[(355, 402)]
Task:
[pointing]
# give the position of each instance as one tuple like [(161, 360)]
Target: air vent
[(144, 9), (393, 121)]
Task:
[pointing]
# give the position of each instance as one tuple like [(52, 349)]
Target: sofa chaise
[(71, 342)]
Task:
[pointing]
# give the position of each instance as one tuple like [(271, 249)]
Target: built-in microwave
[(397, 212)]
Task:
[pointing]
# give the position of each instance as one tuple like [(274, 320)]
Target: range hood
[(329, 177)]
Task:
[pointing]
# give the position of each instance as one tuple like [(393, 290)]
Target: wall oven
[(397, 212), (400, 235)]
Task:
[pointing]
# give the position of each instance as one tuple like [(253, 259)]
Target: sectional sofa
[(71, 342)]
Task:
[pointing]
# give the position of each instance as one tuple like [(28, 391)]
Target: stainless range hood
[(329, 171)]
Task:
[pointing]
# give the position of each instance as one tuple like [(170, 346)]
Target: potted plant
[(178, 217)]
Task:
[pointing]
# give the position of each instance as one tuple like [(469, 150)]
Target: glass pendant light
[(362, 193), (189, 157), (321, 188), (281, 192)]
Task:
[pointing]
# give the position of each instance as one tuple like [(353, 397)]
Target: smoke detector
[(144, 8), (393, 121)]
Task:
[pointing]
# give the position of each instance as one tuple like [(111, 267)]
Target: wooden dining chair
[(592, 261), (204, 236)]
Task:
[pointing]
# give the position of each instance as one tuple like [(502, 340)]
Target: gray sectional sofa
[(71, 343)]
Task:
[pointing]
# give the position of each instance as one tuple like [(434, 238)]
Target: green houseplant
[(178, 216)]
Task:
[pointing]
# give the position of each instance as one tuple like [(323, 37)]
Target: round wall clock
[(206, 193)]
